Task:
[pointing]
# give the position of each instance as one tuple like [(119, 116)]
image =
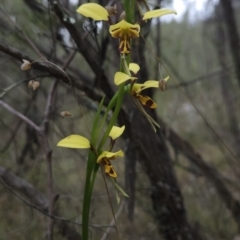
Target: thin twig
[(35, 207), (48, 151), (29, 41), (113, 221), (198, 111), (54, 71), (22, 228), (20, 115), (42, 209), (201, 78)]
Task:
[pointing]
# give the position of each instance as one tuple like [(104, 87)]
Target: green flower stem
[(114, 117), (90, 166), (95, 132), (87, 195), (129, 7), (129, 10), (111, 106), (116, 103)]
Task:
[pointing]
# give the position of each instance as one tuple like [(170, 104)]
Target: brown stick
[(18, 114), (39, 201)]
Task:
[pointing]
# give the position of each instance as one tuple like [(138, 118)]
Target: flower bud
[(65, 114), (26, 65), (112, 10), (162, 84), (33, 84)]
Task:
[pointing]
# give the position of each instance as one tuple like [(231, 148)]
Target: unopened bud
[(26, 65), (122, 16), (163, 83), (65, 114), (33, 84), (112, 10)]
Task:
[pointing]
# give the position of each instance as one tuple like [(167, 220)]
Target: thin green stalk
[(90, 166), (87, 196), (114, 117), (111, 106), (93, 166), (129, 7), (95, 132)]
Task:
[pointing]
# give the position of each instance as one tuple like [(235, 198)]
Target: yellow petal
[(148, 84), (121, 78), (116, 132), (157, 13), (110, 155), (134, 67), (108, 169), (152, 83), (124, 29), (74, 141), (94, 11), (124, 46), (146, 101)]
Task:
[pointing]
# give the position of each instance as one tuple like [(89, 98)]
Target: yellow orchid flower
[(80, 142), (124, 31), (121, 77), (105, 158), (144, 100)]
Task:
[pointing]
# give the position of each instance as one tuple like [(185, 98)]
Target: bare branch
[(48, 151), (92, 57), (38, 201), (20, 115), (113, 221), (53, 71), (29, 41)]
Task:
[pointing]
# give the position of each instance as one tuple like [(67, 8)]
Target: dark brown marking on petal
[(111, 171), (113, 30), (149, 103), (102, 161), (134, 93), (134, 28)]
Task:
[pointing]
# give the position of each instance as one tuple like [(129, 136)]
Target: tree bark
[(232, 29), (166, 197), (209, 172), (225, 80)]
